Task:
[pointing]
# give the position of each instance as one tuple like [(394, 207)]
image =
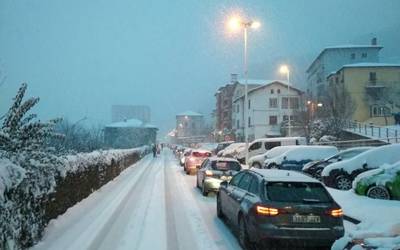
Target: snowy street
[(151, 205)]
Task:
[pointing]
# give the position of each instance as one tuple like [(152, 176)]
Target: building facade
[(268, 106), (373, 89), (330, 59), (189, 127)]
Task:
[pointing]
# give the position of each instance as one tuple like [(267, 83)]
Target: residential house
[(268, 107), (373, 88), (330, 59), (189, 127)]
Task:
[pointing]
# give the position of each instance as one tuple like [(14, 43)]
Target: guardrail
[(389, 134)]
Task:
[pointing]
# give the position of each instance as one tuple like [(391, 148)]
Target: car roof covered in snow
[(216, 158), (283, 175)]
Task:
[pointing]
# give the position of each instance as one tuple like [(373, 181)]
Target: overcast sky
[(82, 56)]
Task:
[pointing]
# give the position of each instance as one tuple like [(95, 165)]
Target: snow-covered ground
[(151, 205)]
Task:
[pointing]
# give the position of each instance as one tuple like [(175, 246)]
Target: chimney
[(234, 78), (374, 41)]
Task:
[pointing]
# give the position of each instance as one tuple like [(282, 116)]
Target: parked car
[(261, 146), (258, 160), (222, 146), (213, 171), (341, 174), (380, 183), (279, 206), (195, 159), (184, 154), (296, 158), (315, 168), (232, 151)]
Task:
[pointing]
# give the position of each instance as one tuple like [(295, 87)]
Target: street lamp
[(235, 24), (284, 69)]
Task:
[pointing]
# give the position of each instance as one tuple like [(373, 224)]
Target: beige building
[(373, 90)]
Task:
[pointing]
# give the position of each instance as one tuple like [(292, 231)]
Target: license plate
[(306, 219)]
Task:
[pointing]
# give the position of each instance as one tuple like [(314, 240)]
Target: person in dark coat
[(154, 150)]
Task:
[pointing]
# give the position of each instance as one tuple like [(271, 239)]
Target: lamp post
[(236, 24), (285, 70)]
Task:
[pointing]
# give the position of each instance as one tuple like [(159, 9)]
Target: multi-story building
[(224, 99), (330, 59), (126, 112), (268, 106), (189, 127), (373, 90)]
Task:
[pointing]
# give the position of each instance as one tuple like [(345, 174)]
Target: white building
[(189, 127), (267, 109), (330, 59)]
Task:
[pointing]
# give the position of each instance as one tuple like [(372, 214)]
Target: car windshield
[(225, 165), (201, 154), (297, 192)]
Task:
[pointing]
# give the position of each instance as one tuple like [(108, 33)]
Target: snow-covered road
[(151, 205)]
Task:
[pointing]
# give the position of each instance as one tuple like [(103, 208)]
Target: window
[(279, 91), (225, 165), (273, 120), (284, 102), (249, 103), (254, 186), (245, 182), (336, 79), (285, 118), (272, 91), (372, 77), (249, 120), (237, 108), (297, 192), (255, 146), (204, 163), (236, 179), (364, 55), (294, 102), (272, 144), (225, 102), (237, 124), (353, 56), (379, 111), (273, 103)]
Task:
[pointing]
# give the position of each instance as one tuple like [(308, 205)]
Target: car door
[(238, 195), (226, 193), (255, 149), (201, 171), (252, 197)]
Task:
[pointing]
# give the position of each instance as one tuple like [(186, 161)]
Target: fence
[(389, 134)]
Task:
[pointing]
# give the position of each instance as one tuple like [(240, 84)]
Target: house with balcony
[(373, 88), (332, 58), (268, 106)]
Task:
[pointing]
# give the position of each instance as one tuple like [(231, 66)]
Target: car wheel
[(197, 182), (318, 175), (273, 166), (204, 191), (256, 165), (378, 192), (220, 214), (243, 236), (343, 182)]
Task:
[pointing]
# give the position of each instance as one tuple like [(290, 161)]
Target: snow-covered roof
[(130, 123), (370, 65), (254, 81), (283, 175), (268, 83), (346, 46), (189, 113)]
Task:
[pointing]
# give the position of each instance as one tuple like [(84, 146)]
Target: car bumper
[(299, 236), (212, 184)]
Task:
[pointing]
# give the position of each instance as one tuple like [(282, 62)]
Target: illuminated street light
[(235, 24), (284, 69), (320, 105)]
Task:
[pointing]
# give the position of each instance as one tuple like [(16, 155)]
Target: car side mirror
[(285, 158), (224, 184), (365, 166), (339, 159)]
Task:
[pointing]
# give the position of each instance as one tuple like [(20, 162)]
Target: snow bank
[(10, 176), (373, 158), (380, 221)]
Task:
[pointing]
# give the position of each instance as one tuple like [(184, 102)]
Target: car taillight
[(336, 213), (209, 173), (266, 210)]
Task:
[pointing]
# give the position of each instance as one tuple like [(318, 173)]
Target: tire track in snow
[(113, 231)]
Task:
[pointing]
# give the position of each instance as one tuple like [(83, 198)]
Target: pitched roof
[(189, 113)]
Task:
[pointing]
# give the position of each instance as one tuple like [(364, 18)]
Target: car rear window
[(297, 192), (201, 154), (225, 165)]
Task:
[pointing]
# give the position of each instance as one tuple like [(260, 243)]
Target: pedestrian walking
[(154, 150)]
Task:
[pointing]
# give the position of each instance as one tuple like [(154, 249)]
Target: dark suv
[(281, 207)]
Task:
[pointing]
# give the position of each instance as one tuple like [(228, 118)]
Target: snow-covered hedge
[(25, 211)]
